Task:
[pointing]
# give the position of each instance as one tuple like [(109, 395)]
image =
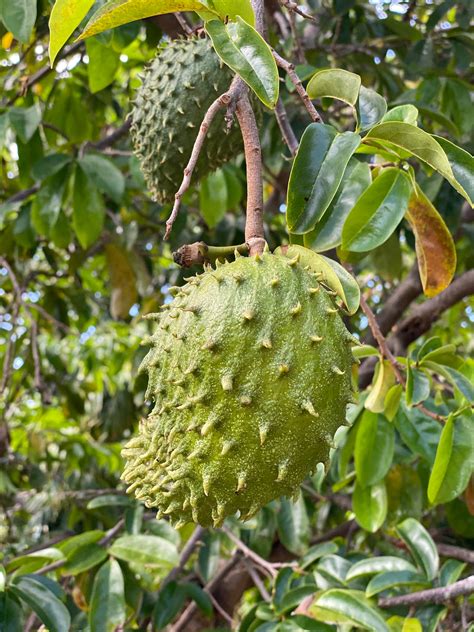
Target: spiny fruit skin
[(250, 371), (178, 87)]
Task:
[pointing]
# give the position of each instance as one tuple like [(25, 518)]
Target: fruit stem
[(200, 253)]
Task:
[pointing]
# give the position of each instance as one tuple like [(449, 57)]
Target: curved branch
[(424, 315), (433, 595)]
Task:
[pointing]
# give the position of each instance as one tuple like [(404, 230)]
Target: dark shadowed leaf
[(316, 174), (327, 233), (169, 603), (419, 432), (25, 121), (89, 211), (105, 175), (293, 525), (418, 386), (49, 609), (377, 212)]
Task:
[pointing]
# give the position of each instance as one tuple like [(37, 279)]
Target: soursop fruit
[(178, 87), (250, 372)]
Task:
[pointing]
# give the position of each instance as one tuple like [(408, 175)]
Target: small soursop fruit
[(178, 87), (250, 371)]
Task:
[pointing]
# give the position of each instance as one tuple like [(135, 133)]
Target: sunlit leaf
[(383, 381), (355, 607), (107, 605), (335, 83), (117, 12), (374, 448), (66, 16), (371, 107), (244, 50), (370, 505), (421, 546)]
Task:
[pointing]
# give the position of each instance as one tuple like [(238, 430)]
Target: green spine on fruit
[(250, 373), (178, 87)]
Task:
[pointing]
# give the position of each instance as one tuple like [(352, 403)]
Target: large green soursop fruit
[(178, 88), (250, 370)]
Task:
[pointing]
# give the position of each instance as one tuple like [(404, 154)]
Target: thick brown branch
[(424, 315), (254, 230), (433, 595)]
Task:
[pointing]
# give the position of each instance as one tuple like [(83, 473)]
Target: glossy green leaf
[(354, 606), (364, 351), (316, 552), (335, 83), (451, 571), (444, 354), (462, 164), (11, 615), (370, 505), (145, 549), (402, 113), (19, 17), (417, 142), (104, 174), (213, 198), (454, 462), (110, 500), (327, 233), (420, 545), (66, 16), (418, 386), (46, 605), (293, 525), (107, 605), (392, 401), (331, 273), (316, 174), (395, 579), (454, 376), (419, 432), (117, 12), (232, 8), (435, 247), (88, 210), (103, 64), (244, 50), (49, 165), (371, 107), (377, 212), (71, 545), (85, 558), (374, 448), (375, 565), (294, 597), (331, 571), (384, 379)]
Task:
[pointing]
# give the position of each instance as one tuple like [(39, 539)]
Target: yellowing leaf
[(384, 380), (434, 244), (118, 12), (335, 83), (65, 18)]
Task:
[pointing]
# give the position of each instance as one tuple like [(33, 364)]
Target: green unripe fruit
[(250, 371), (178, 87)]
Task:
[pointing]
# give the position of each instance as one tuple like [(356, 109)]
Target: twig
[(254, 576), (285, 127), (432, 595), (289, 68), (456, 552), (292, 6), (183, 23), (251, 555), (188, 614), (186, 553), (111, 533), (221, 102)]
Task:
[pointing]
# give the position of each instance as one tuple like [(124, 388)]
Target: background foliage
[(82, 258)]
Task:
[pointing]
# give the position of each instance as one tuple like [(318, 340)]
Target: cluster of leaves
[(381, 181)]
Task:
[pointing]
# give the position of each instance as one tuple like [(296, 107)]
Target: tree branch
[(424, 315), (289, 68), (433, 595), (285, 127)]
